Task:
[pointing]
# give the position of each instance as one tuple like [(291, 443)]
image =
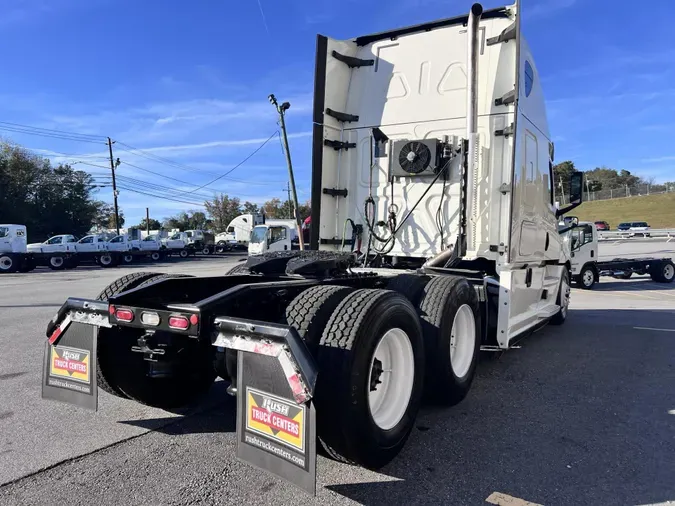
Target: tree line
[(55, 199), (604, 178)]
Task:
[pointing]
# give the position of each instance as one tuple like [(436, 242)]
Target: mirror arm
[(565, 210)]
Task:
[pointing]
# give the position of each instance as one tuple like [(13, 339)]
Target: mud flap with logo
[(274, 432), (69, 368)]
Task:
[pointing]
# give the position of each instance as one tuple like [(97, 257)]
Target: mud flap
[(274, 433), (69, 366), (276, 420)]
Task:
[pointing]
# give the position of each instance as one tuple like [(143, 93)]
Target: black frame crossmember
[(338, 145), (342, 116), (351, 61)]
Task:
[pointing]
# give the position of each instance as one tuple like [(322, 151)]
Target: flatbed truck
[(432, 141), (586, 268)]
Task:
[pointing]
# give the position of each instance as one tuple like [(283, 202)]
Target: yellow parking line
[(506, 500)]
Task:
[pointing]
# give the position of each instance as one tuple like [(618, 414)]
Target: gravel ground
[(581, 414)]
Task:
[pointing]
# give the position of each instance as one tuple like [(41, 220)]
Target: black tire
[(192, 377), (586, 278), (183, 253), (409, 285), (155, 256), (561, 316), (238, 269), (127, 258), (345, 426), (440, 302), (663, 271), (310, 311), (9, 262), (56, 263), (104, 363), (106, 260)]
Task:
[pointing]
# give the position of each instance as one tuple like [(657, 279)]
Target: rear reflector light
[(111, 309), (194, 319), (124, 315), (178, 322), (150, 319)]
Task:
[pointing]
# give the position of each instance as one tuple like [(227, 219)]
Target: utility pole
[(588, 192), (281, 109), (114, 165), (147, 220), (290, 205)]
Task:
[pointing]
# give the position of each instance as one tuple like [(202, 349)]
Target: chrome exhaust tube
[(472, 109)]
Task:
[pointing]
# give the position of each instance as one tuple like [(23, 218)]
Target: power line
[(124, 187), (238, 165), (49, 132), (155, 158)]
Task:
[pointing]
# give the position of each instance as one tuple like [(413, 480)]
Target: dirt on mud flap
[(276, 422), (69, 364)]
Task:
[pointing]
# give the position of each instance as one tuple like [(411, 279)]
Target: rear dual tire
[(663, 271), (124, 373)]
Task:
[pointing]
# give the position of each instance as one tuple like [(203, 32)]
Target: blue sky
[(188, 82)]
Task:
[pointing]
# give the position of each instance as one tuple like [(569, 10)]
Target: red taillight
[(124, 315), (178, 322), (194, 319), (111, 309)]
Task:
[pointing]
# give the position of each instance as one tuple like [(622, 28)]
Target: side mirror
[(576, 188), (576, 193)]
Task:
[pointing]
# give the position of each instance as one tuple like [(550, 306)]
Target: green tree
[(104, 217), (275, 208), (47, 200), (154, 224), (250, 208), (561, 176), (190, 220), (222, 210)]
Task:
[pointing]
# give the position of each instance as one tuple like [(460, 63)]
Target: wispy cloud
[(546, 8), (659, 159)]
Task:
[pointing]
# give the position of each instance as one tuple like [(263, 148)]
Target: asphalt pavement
[(580, 414)]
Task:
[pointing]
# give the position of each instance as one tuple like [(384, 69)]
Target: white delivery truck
[(586, 267), (238, 231), (434, 140), (274, 235), (130, 246)]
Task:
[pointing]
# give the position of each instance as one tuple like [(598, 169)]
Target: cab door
[(278, 238)]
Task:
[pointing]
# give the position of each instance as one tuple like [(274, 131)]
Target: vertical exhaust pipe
[(471, 115), (472, 85)]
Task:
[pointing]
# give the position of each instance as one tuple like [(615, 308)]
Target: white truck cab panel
[(13, 239)]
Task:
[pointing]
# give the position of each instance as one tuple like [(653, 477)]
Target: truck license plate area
[(69, 367), (274, 432)]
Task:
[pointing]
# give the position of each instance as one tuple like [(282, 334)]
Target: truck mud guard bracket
[(89, 312), (272, 340), (342, 116), (351, 61)]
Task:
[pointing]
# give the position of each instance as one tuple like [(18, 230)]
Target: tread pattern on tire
[(409, 285), (118, 286), (238, 269), (340, 334), (309, 312), (431, 310), (161, 277)]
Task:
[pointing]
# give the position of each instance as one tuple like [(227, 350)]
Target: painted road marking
[(658, 330), (506, 500)]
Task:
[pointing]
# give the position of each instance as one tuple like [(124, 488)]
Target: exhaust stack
[(471, 118)]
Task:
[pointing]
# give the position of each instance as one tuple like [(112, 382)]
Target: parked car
[(635, 228), (602, 225)]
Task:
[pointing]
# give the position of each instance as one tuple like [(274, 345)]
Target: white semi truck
[(431, 143)]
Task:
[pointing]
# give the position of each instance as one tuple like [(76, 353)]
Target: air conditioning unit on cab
[(414, 158)]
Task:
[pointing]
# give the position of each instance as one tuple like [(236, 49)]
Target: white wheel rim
[(57, 261), (128, 258), (565, 297), (588, 277), (5, 263), (462, 340), (392, 374), (668, 271), (155, 256), (105, 260)]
